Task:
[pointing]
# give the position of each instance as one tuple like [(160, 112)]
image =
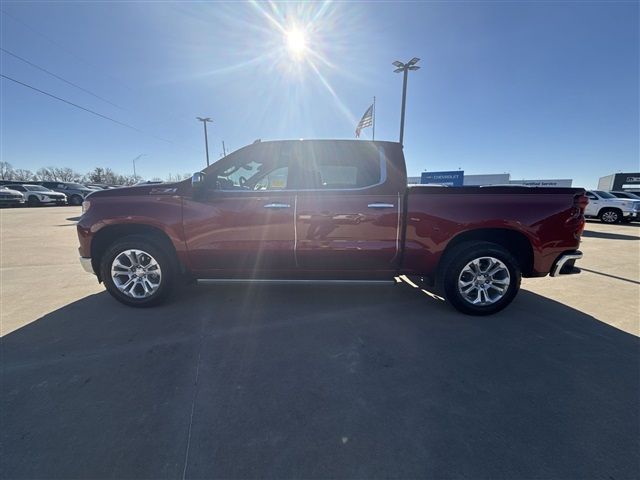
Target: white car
[(10, 197), (611, 209), (38, 195)]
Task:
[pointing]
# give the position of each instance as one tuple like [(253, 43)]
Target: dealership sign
[(544, 183), (452, 179)]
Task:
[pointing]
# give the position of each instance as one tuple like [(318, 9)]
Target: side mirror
[(197, 184)]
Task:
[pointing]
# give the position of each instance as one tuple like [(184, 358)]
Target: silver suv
[(74, 191)]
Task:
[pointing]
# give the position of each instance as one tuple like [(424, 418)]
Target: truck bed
[(544, 218)]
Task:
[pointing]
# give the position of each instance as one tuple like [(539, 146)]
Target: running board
[(227, 281)]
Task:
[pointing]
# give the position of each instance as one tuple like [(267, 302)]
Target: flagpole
[(374, 118)]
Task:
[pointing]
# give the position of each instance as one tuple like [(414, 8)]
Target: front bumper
[(11, 201), (86, 264), (635, 215), (565, 264), (54, 201)]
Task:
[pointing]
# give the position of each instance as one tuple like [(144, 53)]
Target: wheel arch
[(110, 233), (517, 243), (604, 209)]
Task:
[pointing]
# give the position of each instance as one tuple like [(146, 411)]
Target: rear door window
[(339, 166)]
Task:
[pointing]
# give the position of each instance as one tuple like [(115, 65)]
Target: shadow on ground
[(608, 235), (290, 382)]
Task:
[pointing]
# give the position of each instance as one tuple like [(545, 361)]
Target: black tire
[(455, 261), (610, 215), (33, 201), (76, 200), (153, 248)]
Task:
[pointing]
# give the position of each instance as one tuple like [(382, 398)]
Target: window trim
[(383, 179)]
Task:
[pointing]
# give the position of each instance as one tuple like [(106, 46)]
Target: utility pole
[(206, 140), (404, 67), (374, 119), (134, 164)]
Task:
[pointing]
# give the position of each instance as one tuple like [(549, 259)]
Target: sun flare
[(296, 42)]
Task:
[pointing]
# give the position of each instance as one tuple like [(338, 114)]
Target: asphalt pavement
[(314, 382)]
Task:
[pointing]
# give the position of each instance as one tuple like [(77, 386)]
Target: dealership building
[(457, 178), (620, 181)]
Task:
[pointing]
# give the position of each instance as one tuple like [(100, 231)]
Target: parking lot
[(315, 382)]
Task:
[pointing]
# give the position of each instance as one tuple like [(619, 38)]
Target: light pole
[(134, 164), (206, 140), (404, 67)]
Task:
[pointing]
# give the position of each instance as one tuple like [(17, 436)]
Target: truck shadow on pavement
[(608, 235), (290, 382)]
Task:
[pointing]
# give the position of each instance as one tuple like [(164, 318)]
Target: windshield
[(627, 195), (36, 188), (75, 186), (602, 194)]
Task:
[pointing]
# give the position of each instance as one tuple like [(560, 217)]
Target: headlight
[(85, 206)]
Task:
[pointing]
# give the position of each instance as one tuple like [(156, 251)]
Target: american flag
[(365, 121)]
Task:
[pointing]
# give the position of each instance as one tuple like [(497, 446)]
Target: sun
[(296, 42)]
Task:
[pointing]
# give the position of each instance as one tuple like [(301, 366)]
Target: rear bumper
[(565, 264), (86, 264)]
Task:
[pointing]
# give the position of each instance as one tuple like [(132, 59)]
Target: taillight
[(580, 202)]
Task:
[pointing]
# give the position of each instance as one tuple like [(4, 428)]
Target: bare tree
[(22, 175), (65, 174), (46, 174), (177, 177), (6, 171)]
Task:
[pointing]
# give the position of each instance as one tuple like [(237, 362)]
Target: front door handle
[(277, 205), (381, 205)]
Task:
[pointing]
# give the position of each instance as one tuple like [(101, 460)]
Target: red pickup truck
[(328, 210)]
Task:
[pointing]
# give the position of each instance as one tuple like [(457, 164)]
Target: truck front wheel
[(479, 278), (137, 272)]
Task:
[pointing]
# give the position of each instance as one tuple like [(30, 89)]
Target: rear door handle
[(381, 205), (277, 205)]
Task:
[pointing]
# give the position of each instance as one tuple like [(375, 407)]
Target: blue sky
[(536, 89)]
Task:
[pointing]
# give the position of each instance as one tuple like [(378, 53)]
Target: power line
[(83, 108), (93, 66), (63, 48), (59, 77)]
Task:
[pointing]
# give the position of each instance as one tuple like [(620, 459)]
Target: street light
[(404, 67), (134, 163), (206, 140)]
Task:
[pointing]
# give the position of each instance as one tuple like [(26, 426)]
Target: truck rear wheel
[(479, 278), (137, 272)]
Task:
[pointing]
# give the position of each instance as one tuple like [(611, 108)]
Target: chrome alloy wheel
[(483, 281), (136, 273), (610, 217)]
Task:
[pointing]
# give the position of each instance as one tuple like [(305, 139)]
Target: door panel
[(241, 234), (346, 231)]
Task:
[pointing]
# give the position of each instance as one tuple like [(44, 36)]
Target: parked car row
[(46, 193)]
